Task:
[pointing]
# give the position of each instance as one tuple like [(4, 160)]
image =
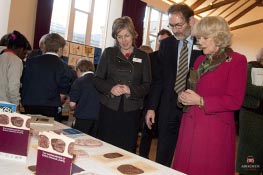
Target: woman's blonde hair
[(215, 27)]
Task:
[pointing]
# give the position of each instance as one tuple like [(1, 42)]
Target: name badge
[(196, 47), (137, 60)]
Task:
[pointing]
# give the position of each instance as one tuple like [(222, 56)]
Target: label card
[(54, 154), (14, 134), (257, 76)]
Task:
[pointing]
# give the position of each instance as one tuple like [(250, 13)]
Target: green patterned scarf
[(213, 61), (209, 64)]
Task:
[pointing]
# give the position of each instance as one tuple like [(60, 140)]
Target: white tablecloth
[(94, 163)]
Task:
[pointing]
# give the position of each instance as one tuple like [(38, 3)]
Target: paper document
[(257, 76)]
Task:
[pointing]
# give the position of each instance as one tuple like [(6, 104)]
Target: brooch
[(228, 59)]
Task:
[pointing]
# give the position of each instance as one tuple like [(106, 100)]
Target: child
[(11, 66), (84, 99)]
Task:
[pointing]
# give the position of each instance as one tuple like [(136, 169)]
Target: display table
[(93, 156)]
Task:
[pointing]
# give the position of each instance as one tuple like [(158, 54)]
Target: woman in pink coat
[(206, 143)]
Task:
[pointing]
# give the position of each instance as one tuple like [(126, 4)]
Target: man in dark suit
[(147, 134), (181, 20)]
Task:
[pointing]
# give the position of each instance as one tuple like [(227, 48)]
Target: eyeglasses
[(176, 26)]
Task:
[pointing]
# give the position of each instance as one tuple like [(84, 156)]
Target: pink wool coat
[(206, 143)]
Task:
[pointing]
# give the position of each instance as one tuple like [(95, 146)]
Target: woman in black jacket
[(123, 78)]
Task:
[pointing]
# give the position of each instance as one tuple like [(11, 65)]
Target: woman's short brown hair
[(215, 27), (119, 24)]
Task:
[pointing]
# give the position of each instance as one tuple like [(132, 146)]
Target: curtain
[(43, 20), (136, 10)]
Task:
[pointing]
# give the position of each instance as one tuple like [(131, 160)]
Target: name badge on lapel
[(137, 60), (196, 47)]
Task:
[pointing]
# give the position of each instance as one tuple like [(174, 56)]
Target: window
[(83, 5), (99, 23), (80, 27), (80, 21), (59, 21), (154, 21), (82, 9)]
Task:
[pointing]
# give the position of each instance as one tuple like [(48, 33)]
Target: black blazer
[(86, 96), (153, 58), (134, 72), (44, 78), (34, 53), (162, 89)]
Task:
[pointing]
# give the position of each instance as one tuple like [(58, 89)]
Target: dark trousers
[(48, 111), (147, 136), (86, 126), (119, 128), (146, 141), (168, 129)]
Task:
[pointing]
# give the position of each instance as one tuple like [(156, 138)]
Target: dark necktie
[(182, 69)]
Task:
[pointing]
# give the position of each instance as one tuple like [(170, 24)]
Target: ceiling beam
[(174, 1), (213, 6), (246, 24), (260, 2), (243, 12), (197, 4), (233, 11), (169, 2), (212, 11), (227, 8)]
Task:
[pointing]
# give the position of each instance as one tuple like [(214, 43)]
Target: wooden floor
[(152, 154), (153, 149)]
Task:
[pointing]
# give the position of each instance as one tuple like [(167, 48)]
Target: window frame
[(69, 30), (147, 20)]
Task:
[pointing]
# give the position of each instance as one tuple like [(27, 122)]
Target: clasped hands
[(189, 97), (120, 89)]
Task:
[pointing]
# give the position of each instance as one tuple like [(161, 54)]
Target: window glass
[(60, 15), (83, 5), (80, 27), (72, 21), (154, 22), (152, 41), (99, 23), (145, 25), (165, 22)]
